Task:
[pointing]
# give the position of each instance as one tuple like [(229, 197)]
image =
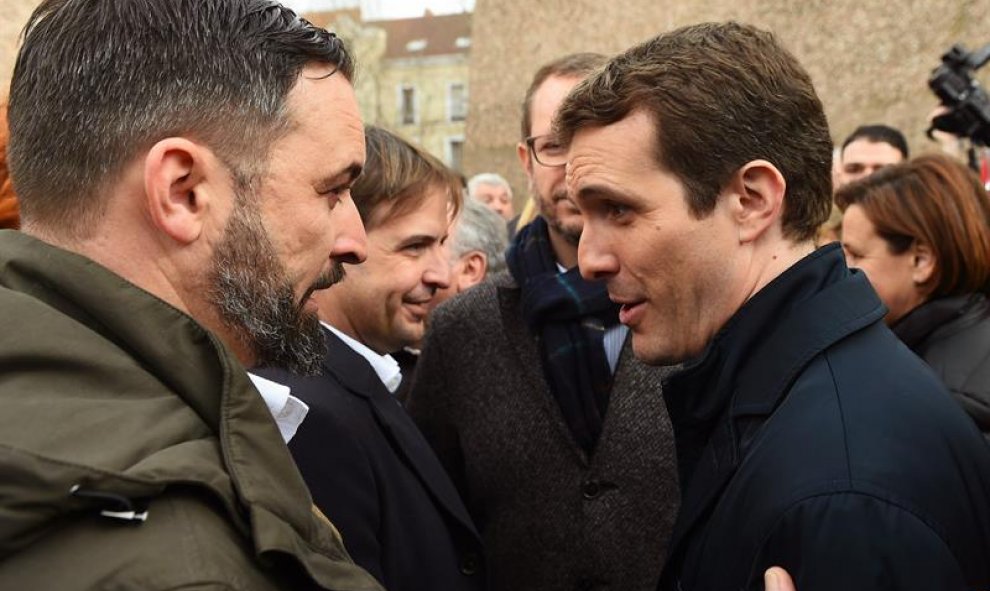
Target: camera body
[(967, 101)]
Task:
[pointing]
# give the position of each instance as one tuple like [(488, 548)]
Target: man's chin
[(298, 349)]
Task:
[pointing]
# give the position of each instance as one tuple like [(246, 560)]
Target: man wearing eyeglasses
[(527, 388)]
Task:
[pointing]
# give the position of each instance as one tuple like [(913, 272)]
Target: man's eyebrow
[(419, 239), (598, 193), (347, 175)]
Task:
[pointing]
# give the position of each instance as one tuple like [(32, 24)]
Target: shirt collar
[(287, 410), (385, 366)]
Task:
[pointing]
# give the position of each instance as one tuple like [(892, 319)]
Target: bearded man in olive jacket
[(183, 169)]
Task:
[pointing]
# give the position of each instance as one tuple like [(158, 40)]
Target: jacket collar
[(718, 402), (924, 320), (354, 373), (351, 369), (266, 497)]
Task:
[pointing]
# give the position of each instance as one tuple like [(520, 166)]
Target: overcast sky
[(384, 9)]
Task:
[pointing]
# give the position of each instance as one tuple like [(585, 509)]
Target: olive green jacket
[(113, 404)]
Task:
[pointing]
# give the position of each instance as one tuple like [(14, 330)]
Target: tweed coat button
[(591, 489)]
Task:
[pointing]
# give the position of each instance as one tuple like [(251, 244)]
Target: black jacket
[(810, 438), (952, 335), (372, 473)]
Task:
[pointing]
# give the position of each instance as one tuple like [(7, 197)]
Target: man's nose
[(351, 245), (437, 271), (595, 260)]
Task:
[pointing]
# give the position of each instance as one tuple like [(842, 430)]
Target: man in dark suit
[(366, 463), (808, 437)]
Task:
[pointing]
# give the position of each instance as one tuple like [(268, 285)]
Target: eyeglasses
[(547, 151)]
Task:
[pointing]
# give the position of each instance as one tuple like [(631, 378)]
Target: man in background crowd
[(475, 249), (868, 149), (557, 438), (183, 170), (367, 465), (494, 191)]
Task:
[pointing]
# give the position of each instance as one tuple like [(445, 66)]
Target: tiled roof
[(442, 34)]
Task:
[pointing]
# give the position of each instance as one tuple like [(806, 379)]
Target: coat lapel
[(357, 376), (530, 362)]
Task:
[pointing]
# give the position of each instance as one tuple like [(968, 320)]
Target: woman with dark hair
[(920, 231)]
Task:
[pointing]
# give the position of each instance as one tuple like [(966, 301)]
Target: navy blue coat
[(809, 437), (375, 477)]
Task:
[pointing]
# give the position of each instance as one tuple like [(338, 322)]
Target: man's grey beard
[(250, 288)]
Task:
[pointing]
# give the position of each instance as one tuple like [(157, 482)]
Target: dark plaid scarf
[(569, 315)]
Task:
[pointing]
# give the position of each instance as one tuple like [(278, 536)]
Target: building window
[(457, 101), (407, 105), (455, 153)]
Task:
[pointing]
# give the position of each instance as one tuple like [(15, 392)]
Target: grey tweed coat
[(551, 517)]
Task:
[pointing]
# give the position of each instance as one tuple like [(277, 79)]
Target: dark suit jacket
[(552, 517), (372, 473), (810, 438)]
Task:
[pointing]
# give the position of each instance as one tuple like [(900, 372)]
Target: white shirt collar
[(287, 410), (385, 366)]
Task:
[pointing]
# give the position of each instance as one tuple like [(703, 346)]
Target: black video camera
[(968, 104)]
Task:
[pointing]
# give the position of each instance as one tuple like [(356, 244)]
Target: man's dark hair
[(398, 177), (720, 95), (576, 65), (879, 133), (96, 81)]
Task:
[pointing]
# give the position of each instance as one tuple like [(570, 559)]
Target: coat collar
[(524, 344), (924, 320), (355, 374), (351, 369), (719, 402)]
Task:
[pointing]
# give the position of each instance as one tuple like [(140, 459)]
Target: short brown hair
[(575, 65), (397, 177), (720, 95), (939, 202)]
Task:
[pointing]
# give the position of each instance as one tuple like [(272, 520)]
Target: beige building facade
[(412, 76)]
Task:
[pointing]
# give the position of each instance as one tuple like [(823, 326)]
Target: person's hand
[(777, 579), (950, 143)]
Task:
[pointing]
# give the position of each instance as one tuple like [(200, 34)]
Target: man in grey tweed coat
[(555, 435)]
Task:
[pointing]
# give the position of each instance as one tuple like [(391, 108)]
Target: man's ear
[(756, 193), (923, 263), (175, 175), (522, 151), (473, 267)]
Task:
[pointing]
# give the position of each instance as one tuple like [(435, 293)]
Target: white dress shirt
[(287, 410)]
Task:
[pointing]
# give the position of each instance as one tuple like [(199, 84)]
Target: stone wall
[(870, 59)]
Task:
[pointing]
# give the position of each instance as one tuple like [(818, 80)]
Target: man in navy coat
[(807, 436), (367, 465)]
